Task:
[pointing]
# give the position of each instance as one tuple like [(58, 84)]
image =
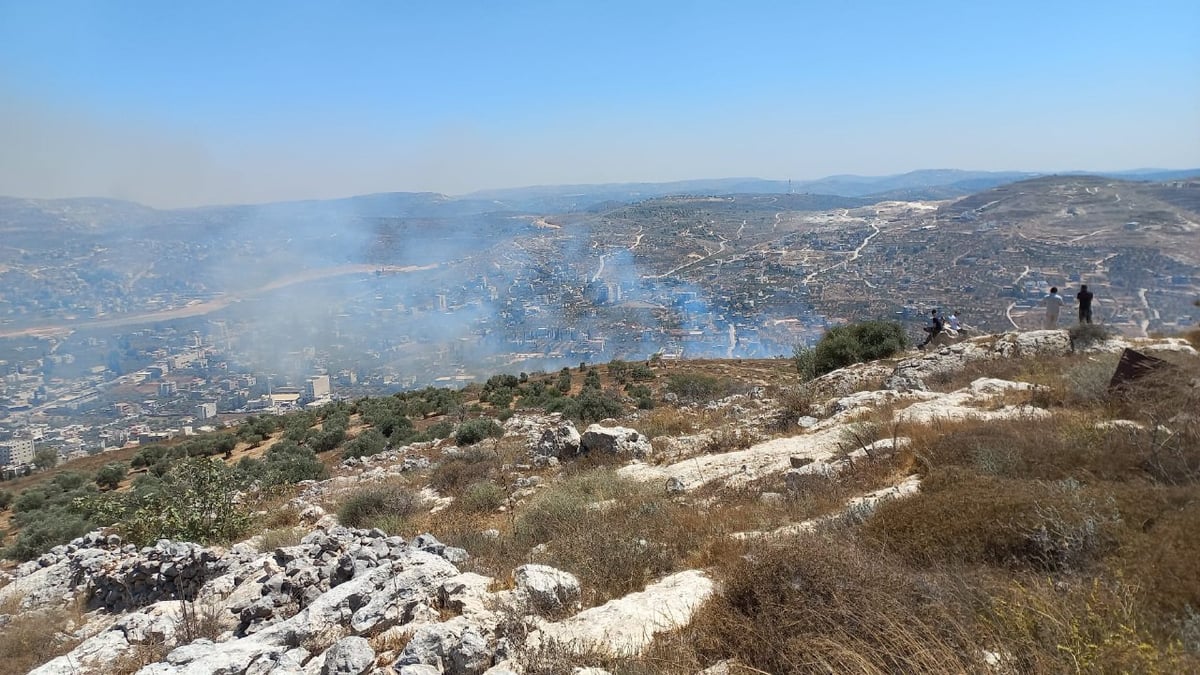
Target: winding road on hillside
[(697, 261), (854, 255)]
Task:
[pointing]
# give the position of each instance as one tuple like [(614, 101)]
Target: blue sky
[(187, 103)]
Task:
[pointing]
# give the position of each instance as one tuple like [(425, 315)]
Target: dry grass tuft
[(825, 604), (137, 657), (666, 421), (281, 537), (33, 638)]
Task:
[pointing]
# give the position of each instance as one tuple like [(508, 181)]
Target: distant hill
[(1163, 215), (926, 184)]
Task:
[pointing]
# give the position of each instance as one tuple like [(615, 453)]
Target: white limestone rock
[(615, 440), (351, 655), (561, 440), (548, 589), (625, 626)]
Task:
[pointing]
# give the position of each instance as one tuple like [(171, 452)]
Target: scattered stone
[(559, 441), (548, 589), (615, 440), (349, 656)]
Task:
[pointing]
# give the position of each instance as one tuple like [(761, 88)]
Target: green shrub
[(369, 442), (329, 438), (197, 500), (842, 346), (287, 463), (699, 387), (473, 431), (364, 507), (642, 395), (6, 498), (111, 475), (563, 383), (467, 467), (45, 529), (482, 497), (595, 405), (641, 372)]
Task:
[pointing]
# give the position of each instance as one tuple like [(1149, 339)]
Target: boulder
[(417, 669), (349, 656), (372, 602), (455, 646), (615, 440), (625, 626), (560, 441), (548, 589)]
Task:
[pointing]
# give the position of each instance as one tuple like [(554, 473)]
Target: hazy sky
[(184, 103)]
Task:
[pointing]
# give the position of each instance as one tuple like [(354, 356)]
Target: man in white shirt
[(1053, 303), (953, 321)]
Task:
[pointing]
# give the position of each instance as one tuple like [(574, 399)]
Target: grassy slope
[(1051, 546)]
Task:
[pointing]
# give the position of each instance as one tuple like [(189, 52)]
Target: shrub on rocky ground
[(482, 497), (363, 507), (842, 346), (456, 472), (473, 431), (368, 443), (615, 535), (666, 421), (700, 387), (727, 439), (1085, 334)]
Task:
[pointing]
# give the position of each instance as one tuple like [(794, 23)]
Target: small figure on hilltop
[(1084, 296), (935, 326), (1053, 302), (953, 321)]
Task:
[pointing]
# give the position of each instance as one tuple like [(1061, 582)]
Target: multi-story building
[(17, 451), (317, 388)]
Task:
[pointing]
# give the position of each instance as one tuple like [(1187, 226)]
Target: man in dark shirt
[(935, 326), (1084, 296)]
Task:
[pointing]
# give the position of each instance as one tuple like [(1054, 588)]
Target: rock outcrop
[(616, 441)]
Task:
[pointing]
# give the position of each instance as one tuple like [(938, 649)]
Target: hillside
[(1098, 210), (988, 506)]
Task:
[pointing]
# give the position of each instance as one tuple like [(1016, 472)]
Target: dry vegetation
[(1035, 546)]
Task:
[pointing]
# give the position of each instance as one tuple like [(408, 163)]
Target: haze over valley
[(113, 311)]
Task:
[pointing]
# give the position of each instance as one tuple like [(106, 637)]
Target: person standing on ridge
[(934, 327), (1053, 303), (953, 321), (1084, 296)]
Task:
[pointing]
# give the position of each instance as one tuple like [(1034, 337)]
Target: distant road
[(854, 255), (216, 304)]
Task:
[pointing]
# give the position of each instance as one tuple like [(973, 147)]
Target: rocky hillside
[(990, 506)]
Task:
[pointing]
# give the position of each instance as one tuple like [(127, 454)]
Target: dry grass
[(824, 604), (136, 658), (280, 538), (728, 439), (1055, 544), (384, 505), (32, 638), (666, 421)]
